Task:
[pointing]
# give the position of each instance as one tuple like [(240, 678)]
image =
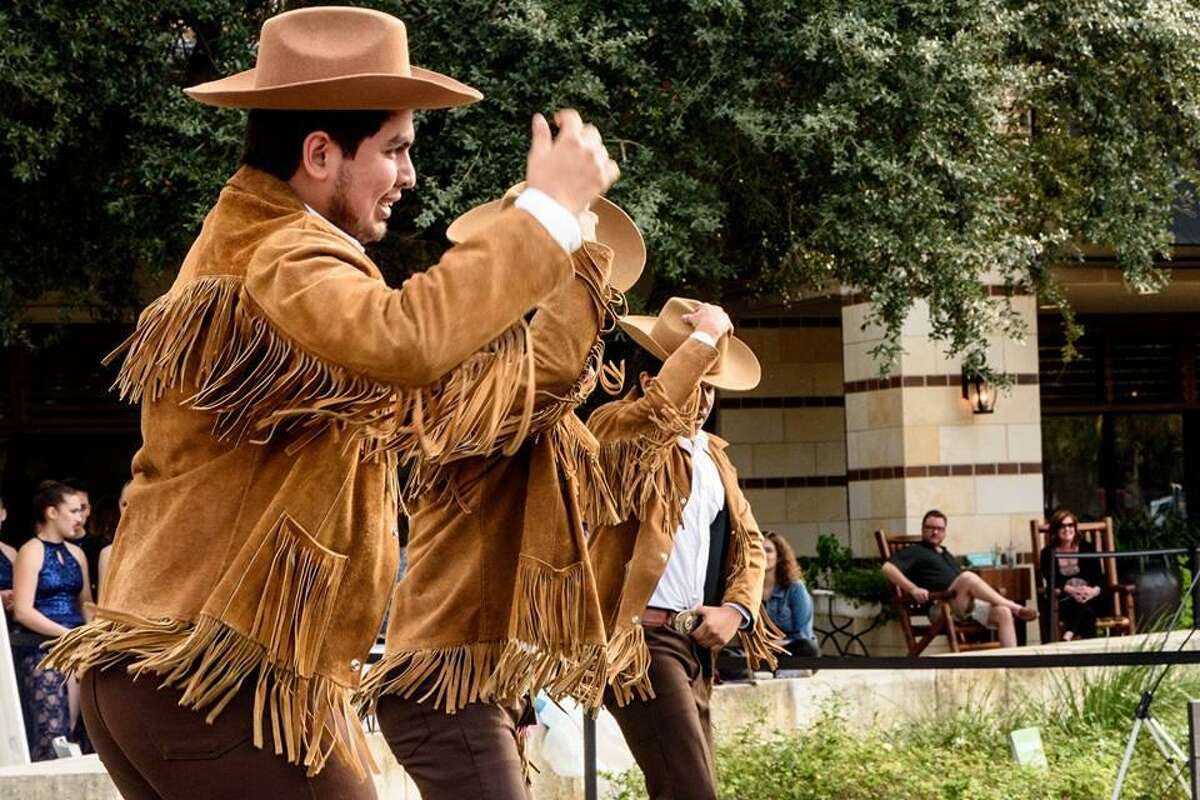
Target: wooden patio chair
[(919, 622), (1121, 607)]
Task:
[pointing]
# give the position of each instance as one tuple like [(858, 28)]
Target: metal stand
[(1173, 754), (1142, 717)]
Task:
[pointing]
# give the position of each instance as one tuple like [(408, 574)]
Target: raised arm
[(319, 293)]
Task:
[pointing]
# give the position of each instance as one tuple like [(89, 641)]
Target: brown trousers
[(670, 736), (155, 749), (473, 754)]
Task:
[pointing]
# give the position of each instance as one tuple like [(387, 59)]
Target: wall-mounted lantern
[(979, 393)]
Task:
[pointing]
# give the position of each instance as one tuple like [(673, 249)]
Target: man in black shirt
[(928, 566)]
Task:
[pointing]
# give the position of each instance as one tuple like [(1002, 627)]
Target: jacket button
[(663, 557), (636, 619), (355, 665)]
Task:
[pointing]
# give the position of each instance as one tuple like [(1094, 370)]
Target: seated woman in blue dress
[(8, 555), (50, 588), (786, 598)]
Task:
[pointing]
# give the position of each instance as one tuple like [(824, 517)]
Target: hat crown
[(670, 331), (312, 44)]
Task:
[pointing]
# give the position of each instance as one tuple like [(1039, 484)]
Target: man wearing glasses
[(929, 567)]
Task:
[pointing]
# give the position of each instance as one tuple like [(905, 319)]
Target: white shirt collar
[(345, 235), (700, 440)]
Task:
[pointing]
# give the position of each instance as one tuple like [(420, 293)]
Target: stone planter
[(842, 606)]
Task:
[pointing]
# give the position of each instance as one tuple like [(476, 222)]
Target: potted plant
[(859, 588), (1156, 578)]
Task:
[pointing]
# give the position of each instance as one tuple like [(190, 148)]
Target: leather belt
[(682, 622)]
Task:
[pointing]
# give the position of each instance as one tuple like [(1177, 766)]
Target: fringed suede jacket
[(651, 480), (281, 383), (500, 600)]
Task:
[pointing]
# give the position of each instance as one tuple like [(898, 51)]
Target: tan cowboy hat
[(334, 59), (614, 228), (737, 368)]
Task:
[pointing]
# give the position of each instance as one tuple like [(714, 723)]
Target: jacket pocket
[(301, 583)]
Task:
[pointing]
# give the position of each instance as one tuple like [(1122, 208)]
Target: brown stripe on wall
[(800, 482), (992, 289), (787, 322), (943, 471), (913, 381), (727, 403)]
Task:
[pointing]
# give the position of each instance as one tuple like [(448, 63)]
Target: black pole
[(1195, 588), (590, 787), (1052, 592), (1194, 747)]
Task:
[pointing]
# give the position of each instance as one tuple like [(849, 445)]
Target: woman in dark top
[(787, 601), (1080, 580), (8, 556), (50, 588)]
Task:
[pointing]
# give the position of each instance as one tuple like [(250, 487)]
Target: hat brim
[(739, 370), (426, 89), (614, 228)]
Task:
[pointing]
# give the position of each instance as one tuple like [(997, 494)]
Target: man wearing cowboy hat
[(518, 613), (681, 573), (282, 382)]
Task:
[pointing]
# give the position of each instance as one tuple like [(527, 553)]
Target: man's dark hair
[(274, 138), (641, 360), (933, 512)]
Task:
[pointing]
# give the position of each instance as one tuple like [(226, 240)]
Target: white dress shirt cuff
[(747, 620), (701, 336), (555, 218)]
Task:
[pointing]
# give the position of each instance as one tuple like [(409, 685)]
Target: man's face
[(708, 398), (369, 183), (933, 530)]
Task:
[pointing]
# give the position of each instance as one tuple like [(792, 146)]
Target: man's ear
[(319, 156)]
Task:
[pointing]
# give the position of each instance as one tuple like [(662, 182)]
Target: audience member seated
[(929, 567), (8, 556), (1080, 581), (786, 598), (109, 532), (50, 588)]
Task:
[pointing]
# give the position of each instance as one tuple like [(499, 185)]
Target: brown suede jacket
[(499, 600), (281, 382), (651, 479)]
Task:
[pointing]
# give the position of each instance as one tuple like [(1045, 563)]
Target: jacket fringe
[(636, 468), (762, 641), (629, 665), (544, 654), (578, 454), (311, 717), (255, 381)]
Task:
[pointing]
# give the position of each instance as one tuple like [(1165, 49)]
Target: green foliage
[(864, 583), (768, 147), (1138, 529), (835, 568), (832, 555), (964, 754)]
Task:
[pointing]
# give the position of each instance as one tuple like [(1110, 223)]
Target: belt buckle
[(685, 622)]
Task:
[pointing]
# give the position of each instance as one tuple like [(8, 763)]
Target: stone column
[(913, 443)]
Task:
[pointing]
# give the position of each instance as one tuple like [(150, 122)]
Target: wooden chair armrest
[(937, 597)]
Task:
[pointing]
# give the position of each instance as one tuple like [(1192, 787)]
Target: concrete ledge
[(866, 697)]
